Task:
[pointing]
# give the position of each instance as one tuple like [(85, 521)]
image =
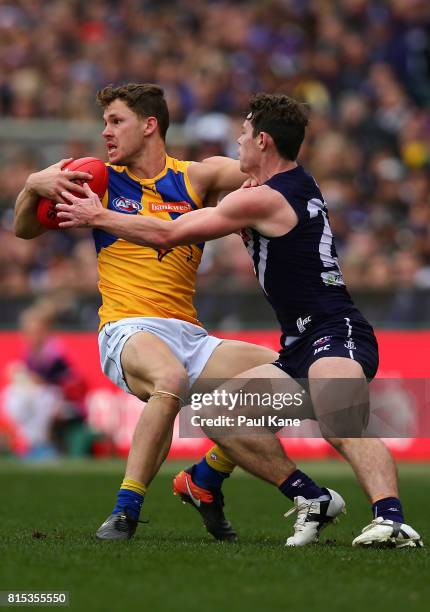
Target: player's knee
[(172, 379)]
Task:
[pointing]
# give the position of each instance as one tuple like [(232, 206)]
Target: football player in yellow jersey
[(268, 146), (151, 343)]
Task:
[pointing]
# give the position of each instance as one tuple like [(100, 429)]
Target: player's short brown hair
[(144, 99), (283, 118)]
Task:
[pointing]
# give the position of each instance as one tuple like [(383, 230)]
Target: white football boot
[(383, 532), (314, 515)]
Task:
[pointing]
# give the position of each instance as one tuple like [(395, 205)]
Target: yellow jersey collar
[(151, 181)]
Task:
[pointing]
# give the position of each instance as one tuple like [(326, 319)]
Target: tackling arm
[(194, 227), (237, 210)]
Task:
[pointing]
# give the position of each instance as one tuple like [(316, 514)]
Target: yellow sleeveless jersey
[(138, 281)]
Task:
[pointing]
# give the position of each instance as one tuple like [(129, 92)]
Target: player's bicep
[(215, 174), (227, 175)]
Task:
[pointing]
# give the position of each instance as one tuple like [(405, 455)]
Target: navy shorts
[(343, 337)]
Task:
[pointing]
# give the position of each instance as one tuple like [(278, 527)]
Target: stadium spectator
[(45, 397)]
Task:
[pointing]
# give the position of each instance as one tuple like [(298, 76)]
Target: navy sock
[(300, 484), (130, 501), (207, 477), (389, 508)]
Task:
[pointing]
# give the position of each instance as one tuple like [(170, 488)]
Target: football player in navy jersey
[(325, 339)]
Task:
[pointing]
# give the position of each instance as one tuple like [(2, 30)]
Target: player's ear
[(263, 140), (151, 124)]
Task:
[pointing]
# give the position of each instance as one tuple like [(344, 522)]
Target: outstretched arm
[(242, 208)]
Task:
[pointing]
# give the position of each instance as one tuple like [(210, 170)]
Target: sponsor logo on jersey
[(350, 345), (322, 340), (301, 323), (326, 347), (175, 207), (125, 205)]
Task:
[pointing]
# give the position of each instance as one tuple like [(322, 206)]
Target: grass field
[(49, 515)]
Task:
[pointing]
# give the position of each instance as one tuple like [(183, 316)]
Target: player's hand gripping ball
[(46, 211)]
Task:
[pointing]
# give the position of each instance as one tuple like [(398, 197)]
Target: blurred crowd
[(362, 66)]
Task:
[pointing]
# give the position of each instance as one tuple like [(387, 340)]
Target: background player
[(289, 238)]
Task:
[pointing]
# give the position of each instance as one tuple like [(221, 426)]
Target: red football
[(46, 211)]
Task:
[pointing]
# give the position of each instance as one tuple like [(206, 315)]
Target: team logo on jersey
[(301, 323), (350, 345), (322, 340), (333, 278), (190, 253), (125, 205), (171, 207), (161, 253)]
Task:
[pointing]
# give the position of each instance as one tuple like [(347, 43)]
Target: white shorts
[(190, 343)]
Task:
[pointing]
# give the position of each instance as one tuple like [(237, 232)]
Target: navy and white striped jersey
[(299, 271)]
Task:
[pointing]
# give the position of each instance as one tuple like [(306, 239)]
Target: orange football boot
[(208, 502)]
